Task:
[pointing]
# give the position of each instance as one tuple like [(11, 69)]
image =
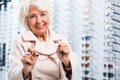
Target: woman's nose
[(39, 19)]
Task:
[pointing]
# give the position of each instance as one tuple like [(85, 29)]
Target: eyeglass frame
[(47, 56), (110, 66), (105, 74)]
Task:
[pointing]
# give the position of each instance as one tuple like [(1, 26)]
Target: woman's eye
[(43, 14), (32, 16)]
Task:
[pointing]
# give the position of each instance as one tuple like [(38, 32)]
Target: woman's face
[(38, 21)]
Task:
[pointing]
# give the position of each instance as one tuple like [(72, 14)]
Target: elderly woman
[(39, 53)]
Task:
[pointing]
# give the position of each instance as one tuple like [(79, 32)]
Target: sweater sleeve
[(15, 64)]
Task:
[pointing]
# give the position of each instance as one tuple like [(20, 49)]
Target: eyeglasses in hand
[(44, 57)]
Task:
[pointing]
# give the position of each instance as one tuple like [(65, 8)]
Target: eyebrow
[(44, 11), (40, 12)]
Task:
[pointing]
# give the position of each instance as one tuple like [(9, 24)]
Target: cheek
[(47, 19), (48, 22), (31, 23)]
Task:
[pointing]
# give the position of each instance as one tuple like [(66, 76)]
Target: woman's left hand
[(64, 51)]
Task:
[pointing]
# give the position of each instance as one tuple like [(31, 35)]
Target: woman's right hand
[(28, 61)]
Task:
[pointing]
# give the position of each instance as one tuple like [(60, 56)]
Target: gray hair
[(24, 9)]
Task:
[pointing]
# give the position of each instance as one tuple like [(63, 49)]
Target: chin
[(41, 32)]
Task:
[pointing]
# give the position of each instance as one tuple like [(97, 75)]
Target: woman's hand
[(28, 61), (64, 51)]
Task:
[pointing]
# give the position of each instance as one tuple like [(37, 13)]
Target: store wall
[(91, 27)]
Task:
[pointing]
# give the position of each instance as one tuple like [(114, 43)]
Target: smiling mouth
[(40, 26)]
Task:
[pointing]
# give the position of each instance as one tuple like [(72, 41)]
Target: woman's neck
[(42, 37)]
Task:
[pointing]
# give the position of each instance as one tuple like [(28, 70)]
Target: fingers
[(30, 50), (29, 58), (64, 48), (33, 52)]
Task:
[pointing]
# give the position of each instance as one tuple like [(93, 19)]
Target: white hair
[(24, 9)]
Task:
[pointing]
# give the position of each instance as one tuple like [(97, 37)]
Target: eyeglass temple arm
[(57, 41)]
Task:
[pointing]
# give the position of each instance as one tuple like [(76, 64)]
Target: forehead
[(33, 8)]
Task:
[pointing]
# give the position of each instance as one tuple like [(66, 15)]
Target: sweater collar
[(28, 35)]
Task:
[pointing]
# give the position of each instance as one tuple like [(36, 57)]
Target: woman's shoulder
[(17, 39)]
